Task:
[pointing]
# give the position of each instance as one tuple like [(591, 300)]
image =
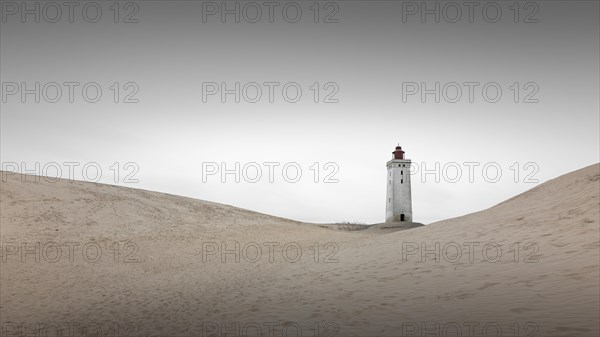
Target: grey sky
[(364, 58)]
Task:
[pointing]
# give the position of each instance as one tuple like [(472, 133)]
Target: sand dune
[(83, 257)]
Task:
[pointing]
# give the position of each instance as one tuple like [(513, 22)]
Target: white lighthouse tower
[(399, 201)]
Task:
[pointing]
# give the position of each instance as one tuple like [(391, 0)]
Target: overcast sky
[(371, 60)]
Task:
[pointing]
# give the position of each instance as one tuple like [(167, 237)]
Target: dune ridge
[(170, 266)]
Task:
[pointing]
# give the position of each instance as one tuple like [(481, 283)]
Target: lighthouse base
[(394, 226)]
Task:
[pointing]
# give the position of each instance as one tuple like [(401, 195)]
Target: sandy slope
[(166, 282)]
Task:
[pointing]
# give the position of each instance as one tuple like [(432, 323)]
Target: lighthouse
[(399, 201)]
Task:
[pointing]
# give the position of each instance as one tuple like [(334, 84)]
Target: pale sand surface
[(368, 288)]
